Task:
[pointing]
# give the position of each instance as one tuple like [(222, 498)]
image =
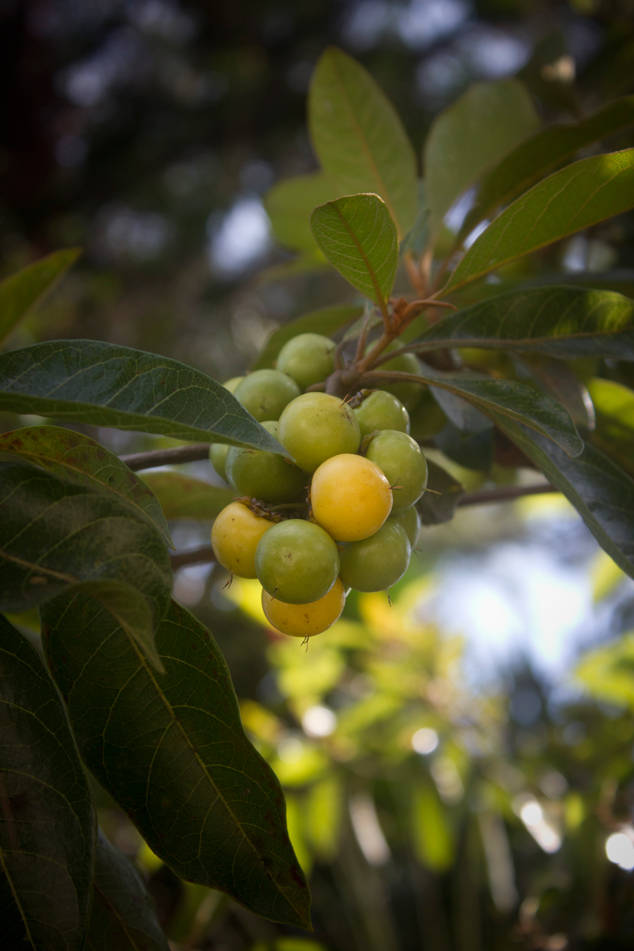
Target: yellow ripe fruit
[(234, 538), (304, 620), (350, 497)]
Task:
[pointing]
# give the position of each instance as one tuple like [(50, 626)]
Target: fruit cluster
[(341, 514)]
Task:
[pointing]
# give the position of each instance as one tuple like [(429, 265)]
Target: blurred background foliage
[(458, 764)]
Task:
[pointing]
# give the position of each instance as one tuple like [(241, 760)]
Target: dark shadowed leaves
[(171, 749), (20, 292), (47, 828), (438, 503)]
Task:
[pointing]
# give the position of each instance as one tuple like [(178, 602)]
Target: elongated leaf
[(173, 753), (56, 534), (359, 138), (357, 235), (183, 496), (326, 320), (465, 140), (531, 159), (122, 915), (22, 291), (89, 381), (569, 200), (438, 503), (602, 493), (563, 384), (48, 827), (79, 459), (290, 204), (518, 401), (560, 321), (614, 433)]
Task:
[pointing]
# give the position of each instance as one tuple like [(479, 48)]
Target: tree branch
[(165, 457), (197, 556), (505, 493)]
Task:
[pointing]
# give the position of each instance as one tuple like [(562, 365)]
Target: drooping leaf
[(48, 826), (20, 292), (531, 159), (79, 459), (560, 380), (561, 321), (172, 752), (122, 914), (599, 489), (357, 235), (443, 494), (290, 204), (473, 133), (517, 401), (614, 431), (56, 534), (574, 198), (359, 138), (183, 496), (326, 320), (89, 381), (472, 449)]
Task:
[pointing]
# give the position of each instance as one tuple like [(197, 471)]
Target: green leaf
[(122, 915), (290, 204), (530, 160), (574, 198), (560, 380), (599, 489), (465, 140), (89, 381), (56, 534), (432, 835), (359, 138), (518, 401), (183, 496), (82, 461), (438, 503), (560, 321), (20, 292), (614, 432), (48, 826), (357, 235), (172, 751), (326, 320), (608, 672)]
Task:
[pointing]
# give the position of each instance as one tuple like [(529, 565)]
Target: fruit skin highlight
[(315, 426), (350, 497), (235, 535), (305, 620), (297, 561)]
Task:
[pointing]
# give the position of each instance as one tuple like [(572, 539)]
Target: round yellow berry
[(350, 497), (304, 620), (234, 538)]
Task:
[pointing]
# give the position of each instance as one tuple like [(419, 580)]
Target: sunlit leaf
[(20, 292), (432, 835), (48, 826), (608, 672), (561, 321), (614, 431), (183, 496), (326, 320), (531, 159), (468, 137), (357, 235), (122, 914), (77, 458), (171, 750), (359, 138), (90, 381), (574, 198)]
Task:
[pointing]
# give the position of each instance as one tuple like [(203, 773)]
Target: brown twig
[(505, 493), (197, 556), (165, 457)]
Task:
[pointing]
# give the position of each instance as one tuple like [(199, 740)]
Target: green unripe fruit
[(404, 464), (308, 358), (376, 562), (381, 410), (232, 383), (265, 475), (315, 426), (409, 393), (298, 563), (218, 458), (265, 393), (410, 520)]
